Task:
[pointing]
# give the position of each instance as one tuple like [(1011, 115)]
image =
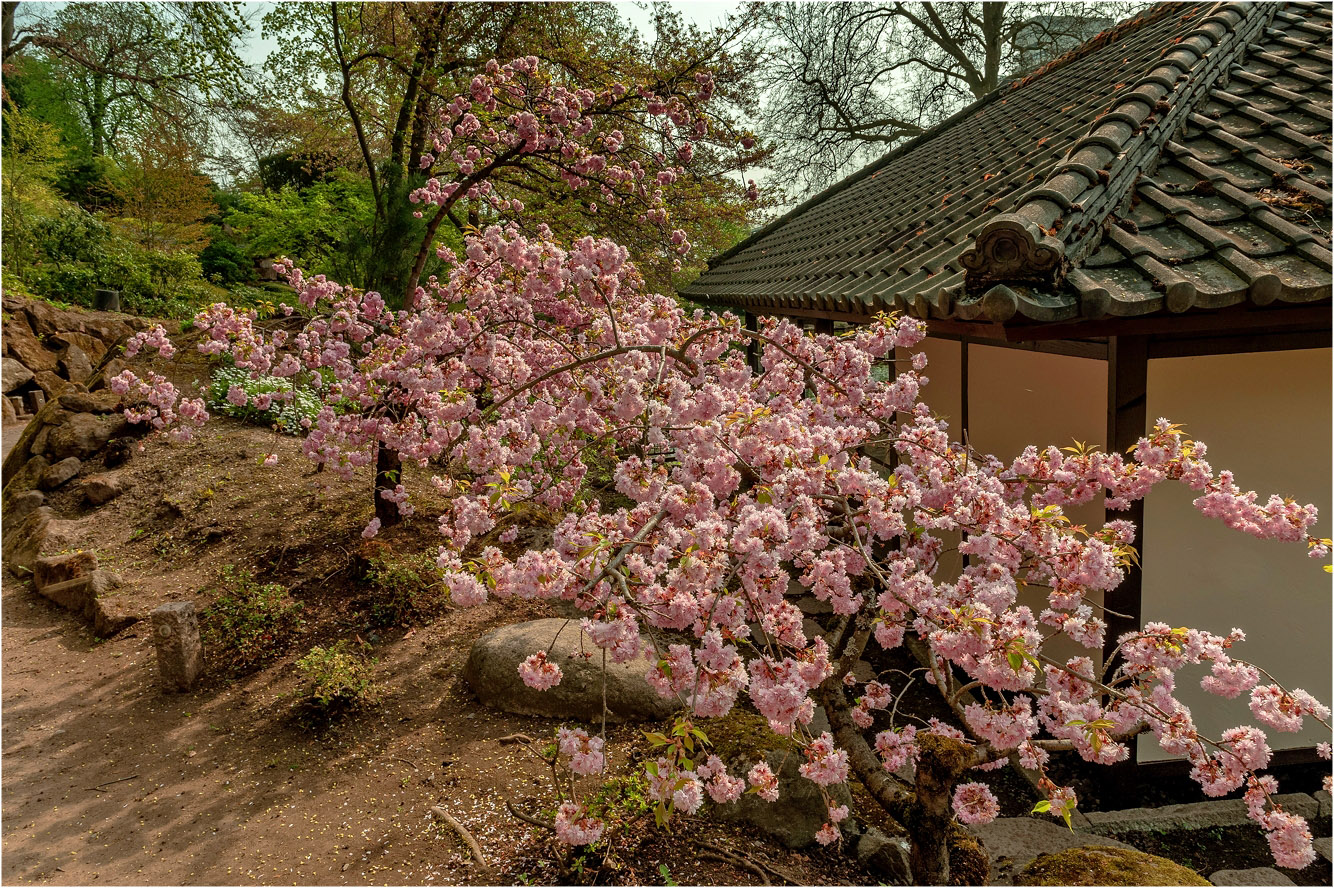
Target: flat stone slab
[(1261, 875), (1196, 815), (1013, 842), (1325, 848), (1323, 798)]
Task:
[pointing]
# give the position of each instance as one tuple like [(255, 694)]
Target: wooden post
[(1127, 420), (824, 326), (963, 389), (753, 345)]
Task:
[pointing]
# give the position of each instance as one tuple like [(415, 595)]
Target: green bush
[(77, 253), (285, 414), (405, 588), (337, 677), (250, 623)]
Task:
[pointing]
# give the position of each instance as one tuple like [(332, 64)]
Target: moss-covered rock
[(743, 734), (741, 739), (1106, 866), (969, 864)]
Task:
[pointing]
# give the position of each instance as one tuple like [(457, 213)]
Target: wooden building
[(1139, 229)]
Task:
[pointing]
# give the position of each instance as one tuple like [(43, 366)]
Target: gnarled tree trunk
[(388, 475)]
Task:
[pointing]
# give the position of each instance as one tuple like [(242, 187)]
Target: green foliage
[(405, 588), (286, 415), (224, 261), (622, 798), (249, 623), (32, 156), (314, 226), (337, 677), (73, 253)]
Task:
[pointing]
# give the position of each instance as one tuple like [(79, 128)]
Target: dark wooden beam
[(1194, 346), (1074, 348), (1127, 420), (1247, 321), (824, 325), (1282, 758), (963, 387)]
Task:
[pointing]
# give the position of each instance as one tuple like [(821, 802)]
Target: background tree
[(385, 71), (846, 82), (121, 60), (164, 199)]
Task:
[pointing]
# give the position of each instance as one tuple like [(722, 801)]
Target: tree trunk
[(939, 765), (388, 475)]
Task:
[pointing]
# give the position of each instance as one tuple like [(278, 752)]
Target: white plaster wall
[(1017, 398), (1266, 417), (944, 395)]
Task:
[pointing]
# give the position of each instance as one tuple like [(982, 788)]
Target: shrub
[(337, 677), (287, 414), (250, 623), (405, 588)]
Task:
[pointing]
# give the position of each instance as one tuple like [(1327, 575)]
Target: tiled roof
[(1179, 161)]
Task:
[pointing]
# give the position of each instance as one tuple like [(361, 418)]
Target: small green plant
[(250, 623), (666, 875), (337, 677), (622, 798), (287, 408), (405, 588)]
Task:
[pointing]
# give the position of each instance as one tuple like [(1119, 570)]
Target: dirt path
[(223, 789), (10, 436)]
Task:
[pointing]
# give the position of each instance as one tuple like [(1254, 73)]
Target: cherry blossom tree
[(532, 360)]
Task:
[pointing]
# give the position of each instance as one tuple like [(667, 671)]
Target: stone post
[(179, 652), (106, 300)]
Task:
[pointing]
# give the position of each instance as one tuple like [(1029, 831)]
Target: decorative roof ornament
[(1011, 248)]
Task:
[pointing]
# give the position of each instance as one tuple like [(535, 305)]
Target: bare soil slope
[(107, 779)]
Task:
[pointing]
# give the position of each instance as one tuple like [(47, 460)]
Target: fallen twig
[(462, 831), (746, 862), (514, 738), (527, 819), (98, 787), (736, 861), (406, 762)]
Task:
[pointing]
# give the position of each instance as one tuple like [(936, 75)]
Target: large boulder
[(51, 322), (83, 434), (493, 673), (26, 478), (20, 343), (76, 583), (741, 739), (51, 383), (105, 401), (23, 503), (57, 569), (38, 533), (1106, 866), (13, 374), (21, 450), (90, 345), (101, 489)]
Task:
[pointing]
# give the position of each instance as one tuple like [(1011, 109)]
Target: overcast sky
[(702, 13)]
